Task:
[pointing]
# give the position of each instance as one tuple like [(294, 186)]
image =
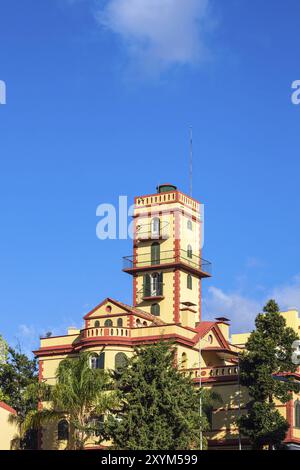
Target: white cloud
[(288, 295), (241, 310), (158, 33)]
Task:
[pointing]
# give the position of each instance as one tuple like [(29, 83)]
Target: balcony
[(171, 258), (90, 333), (226, 373), (146, 232), (152, 292)]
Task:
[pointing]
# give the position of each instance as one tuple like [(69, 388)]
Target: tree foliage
[(80, 395), (159, 407), (268, 352), (16, 374)]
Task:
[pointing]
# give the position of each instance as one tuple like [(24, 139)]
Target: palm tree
[(79, 395)]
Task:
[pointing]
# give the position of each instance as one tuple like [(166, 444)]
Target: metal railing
[(150, 292), (146, 232), (167, 257)]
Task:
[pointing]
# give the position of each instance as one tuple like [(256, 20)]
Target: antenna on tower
[(191, 161)]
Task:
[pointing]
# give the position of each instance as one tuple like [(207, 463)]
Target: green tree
[(16, 374), (81, 395), (159, 406), (268, 351)]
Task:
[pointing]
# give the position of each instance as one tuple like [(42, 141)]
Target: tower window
[(120, 322), (63, 430), (97, 324), (155, 253), (189, 281), (190, 251), (155, 309), (108, 323), (189, 225), (155, 227), (297, 414)]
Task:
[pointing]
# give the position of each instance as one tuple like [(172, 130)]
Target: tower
[(166, 264)]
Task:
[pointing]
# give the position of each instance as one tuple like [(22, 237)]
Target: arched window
[(297, 414), (108, 323), (97, 324), (120, 322), (147, 285), (183, 360), (189, 225), (97, 362), (155, 253), (120, 361), (155, 227), (189, 282), (63, 430), (189, 251), (155, 309)]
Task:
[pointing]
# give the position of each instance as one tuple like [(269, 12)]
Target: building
[(167, 272), (8, 428)]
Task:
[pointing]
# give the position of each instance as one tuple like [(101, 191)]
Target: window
[(210, 339), (297, 414), (138, 322), (155, 309), (189, 225), (155, 227), (97, 324), (108, 323), (183, 360), (63, 430), (189, 251), (155, 253), (97, 362), (147, 285), (189, 282), (120, 361), (120, 322)]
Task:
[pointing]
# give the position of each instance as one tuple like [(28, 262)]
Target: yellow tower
[(166, 265)]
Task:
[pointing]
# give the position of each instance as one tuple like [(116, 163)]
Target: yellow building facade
[(167, 272), (8, 428)]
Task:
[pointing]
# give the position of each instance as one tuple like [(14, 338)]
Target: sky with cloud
[(100, 98)]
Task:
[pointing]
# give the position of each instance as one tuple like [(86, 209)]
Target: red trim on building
[(8, 408)]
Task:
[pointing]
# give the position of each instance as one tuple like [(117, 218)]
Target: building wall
[(8, 430)]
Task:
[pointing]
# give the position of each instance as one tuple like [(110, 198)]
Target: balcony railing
[(147, 232), (212, 372), (105, 331), (144, 260), (150, 292)]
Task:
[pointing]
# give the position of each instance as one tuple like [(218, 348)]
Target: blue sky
[(100, 97)]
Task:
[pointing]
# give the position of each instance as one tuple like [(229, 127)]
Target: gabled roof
[(128, 308), (204, 327)]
